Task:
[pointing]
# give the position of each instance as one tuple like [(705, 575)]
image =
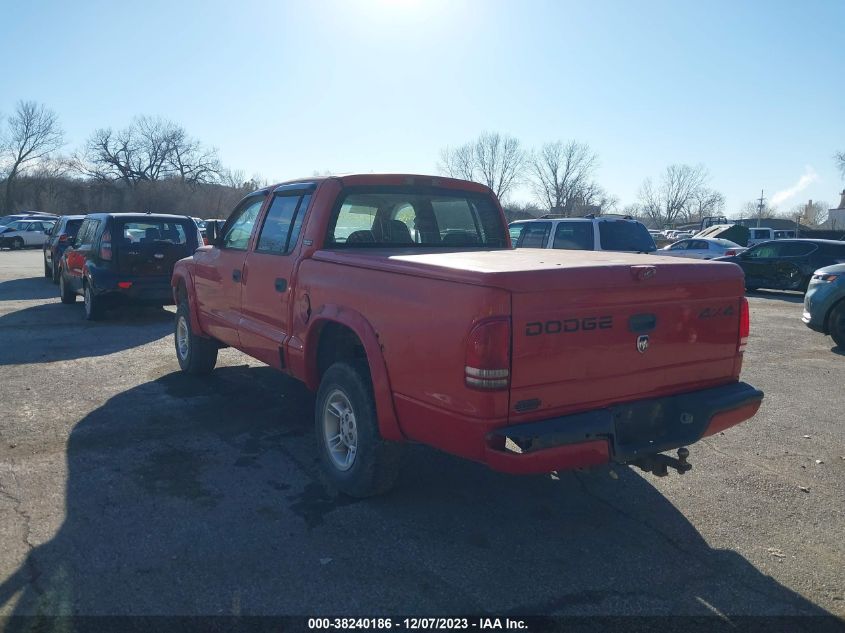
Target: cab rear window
[(415, 217)]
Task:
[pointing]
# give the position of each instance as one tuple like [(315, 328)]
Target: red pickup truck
[(400, 301)]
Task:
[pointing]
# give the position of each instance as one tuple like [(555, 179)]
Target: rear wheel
[(836, 324), (55, 272), (65, 292), (93, 303), (196, 354), (355, 458)]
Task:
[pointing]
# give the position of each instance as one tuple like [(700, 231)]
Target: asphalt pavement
[(129, 488)]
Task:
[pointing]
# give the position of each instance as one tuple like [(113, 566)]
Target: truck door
[(218, 272), (269, 276)]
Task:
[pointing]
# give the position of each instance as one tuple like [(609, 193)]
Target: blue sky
[(754, 91)]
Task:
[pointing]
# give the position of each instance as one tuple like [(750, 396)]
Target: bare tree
[(493, 159), (704, 202), (148, 150), (680, 189), (752, 209), (840, 162), (561, 176), (458, 162), (33, 134), (811, 214)]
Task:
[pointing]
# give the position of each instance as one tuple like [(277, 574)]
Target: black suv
[(786, 264), (59, 238), (125, 257)]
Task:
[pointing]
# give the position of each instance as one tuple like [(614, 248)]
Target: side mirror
[(211, 232)]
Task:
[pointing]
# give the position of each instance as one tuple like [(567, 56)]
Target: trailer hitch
[(659, 464)]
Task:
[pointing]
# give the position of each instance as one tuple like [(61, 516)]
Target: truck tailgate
[(617, 332)]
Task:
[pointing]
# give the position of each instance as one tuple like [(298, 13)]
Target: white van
[(764, 234)]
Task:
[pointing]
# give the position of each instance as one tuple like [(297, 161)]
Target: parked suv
[(583, 234), (22, 233), (786, 264), (61, 235), (125, 257)]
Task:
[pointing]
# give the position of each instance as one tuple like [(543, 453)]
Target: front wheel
[(17, 243), (196, 354), (355, 458), (47, 272), (836, 324)]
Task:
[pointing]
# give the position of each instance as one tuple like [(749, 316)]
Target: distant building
[(836, 217)]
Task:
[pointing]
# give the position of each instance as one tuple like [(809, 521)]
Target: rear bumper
[(142, 290), (623, 433)]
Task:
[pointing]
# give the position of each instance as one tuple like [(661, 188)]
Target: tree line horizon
[(154, 164)]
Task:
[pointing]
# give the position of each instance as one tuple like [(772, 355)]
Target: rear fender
[(387, 420)]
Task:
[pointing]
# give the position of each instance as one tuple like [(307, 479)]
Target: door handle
[(281, 284), (236, 275)]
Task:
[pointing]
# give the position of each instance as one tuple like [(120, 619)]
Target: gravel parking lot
[(128, 488)]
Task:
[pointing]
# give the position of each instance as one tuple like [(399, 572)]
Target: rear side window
[(576, 236), (282, 224), (534, 235), (151, 231), (625, 235), (796, 249), (86, 234)]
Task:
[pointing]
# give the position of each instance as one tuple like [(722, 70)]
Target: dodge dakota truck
[(399, 300)]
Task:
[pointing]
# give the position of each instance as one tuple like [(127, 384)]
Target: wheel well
[(830, 313), (337, 343), (181, 291)]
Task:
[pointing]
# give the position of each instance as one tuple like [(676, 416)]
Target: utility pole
[(760, 208)]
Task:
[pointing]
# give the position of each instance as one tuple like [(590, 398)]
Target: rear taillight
[(729, 253), (63, 237), (744, 324), (488, 353), (105, 246)]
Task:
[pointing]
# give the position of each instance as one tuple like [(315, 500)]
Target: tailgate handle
[(642, 323)]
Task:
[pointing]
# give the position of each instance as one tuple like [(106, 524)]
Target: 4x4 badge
[(642, 343)]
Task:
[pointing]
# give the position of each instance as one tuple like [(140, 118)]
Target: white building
[(836, 217)]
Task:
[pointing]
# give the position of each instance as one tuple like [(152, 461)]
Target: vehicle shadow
[(781, 295), (54, 331), (191, 495), (28, 288)]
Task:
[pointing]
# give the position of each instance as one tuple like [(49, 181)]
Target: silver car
[(702, 248), (21, 233)]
